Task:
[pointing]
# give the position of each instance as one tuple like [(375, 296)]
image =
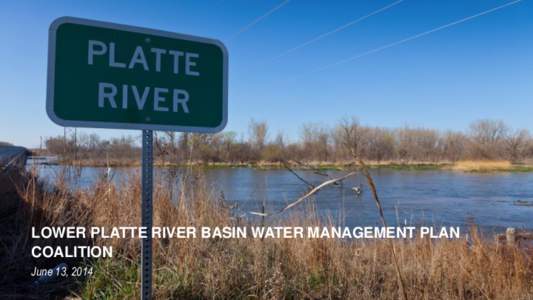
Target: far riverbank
[(461, 166)]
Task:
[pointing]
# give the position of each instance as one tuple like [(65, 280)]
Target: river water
[(492, 201)]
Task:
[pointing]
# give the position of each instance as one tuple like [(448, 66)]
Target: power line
[(338, 29), (413, 37), (259, 19)]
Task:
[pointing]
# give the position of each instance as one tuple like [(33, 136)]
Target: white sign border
[(119, 125)]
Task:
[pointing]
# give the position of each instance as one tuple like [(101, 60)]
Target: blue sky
[(481, 68)]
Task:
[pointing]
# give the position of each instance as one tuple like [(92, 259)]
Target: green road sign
[(115, 76)]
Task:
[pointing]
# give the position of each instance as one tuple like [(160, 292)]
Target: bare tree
[(453, 146), (517, 145), (488, 138), (258, 134), (350, 135), (418, 144), (379, 144), (315, 140)]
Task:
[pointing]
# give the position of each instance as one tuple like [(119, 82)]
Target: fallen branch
[(307, 195), (316, 189)]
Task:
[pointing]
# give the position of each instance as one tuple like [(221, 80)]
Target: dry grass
[(26, 203), (269, 268), (482, 166)]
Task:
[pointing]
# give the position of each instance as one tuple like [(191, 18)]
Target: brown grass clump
[(25, 202), (482, 166), (273, 268)]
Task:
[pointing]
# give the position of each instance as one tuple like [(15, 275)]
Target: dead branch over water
[(316, 189)]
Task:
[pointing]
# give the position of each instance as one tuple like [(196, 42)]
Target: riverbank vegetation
[(468, 268), (319, 146)]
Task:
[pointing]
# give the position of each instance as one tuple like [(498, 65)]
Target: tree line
[(484, 140)]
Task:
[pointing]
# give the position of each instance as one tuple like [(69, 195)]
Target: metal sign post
[(146, 214), (106, 75)]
